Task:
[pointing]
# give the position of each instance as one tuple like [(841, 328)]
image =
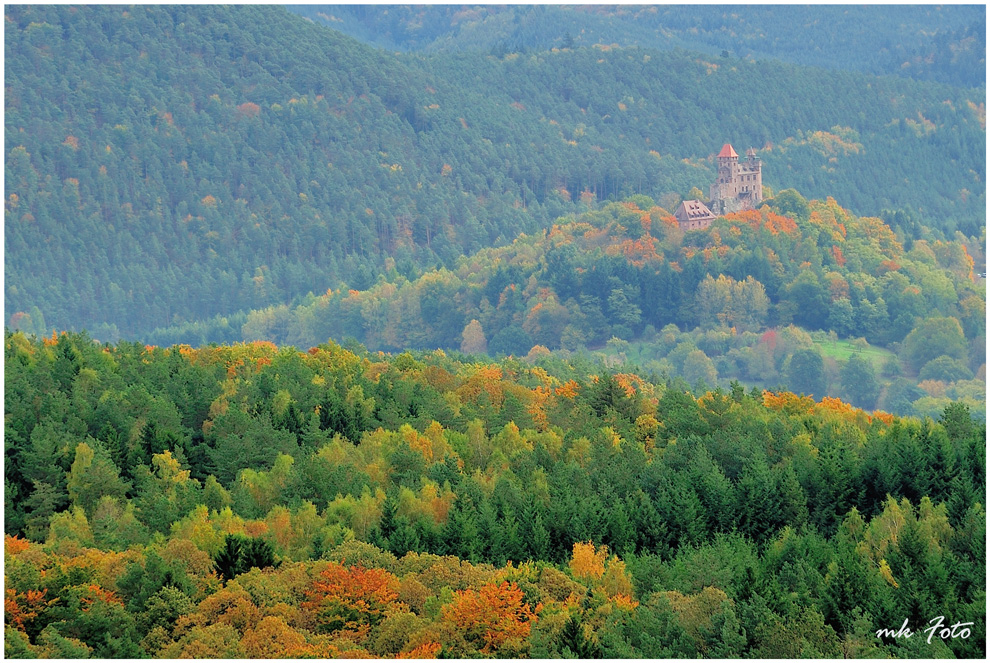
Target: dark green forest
[(166, 165), (925, 42), (255, 501)]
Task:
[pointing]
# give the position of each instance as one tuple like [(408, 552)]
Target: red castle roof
[(727, 151)]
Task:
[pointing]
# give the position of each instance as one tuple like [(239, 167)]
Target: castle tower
[(754, 170), (738, 186)]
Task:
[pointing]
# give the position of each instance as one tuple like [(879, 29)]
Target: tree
[(473, 339), (539, 536), (759, 508), (492, 620), (164, 608), (726, 638), (624, 312), (274, 638), (946, 369), (166, 492), (726, 302), (807, 300), (859, 382), (257, 553), (43, 502), (545, 322), (806, 373), (791, 203), (848, 580), (698, 368), (93, 475), (932, 338), (958, 421), (607, 395), (841, 316), (573, 640), (900, 395), (652, 631), (350, 599), (227, 561), (511, 340), (67, 365), (588, 562)]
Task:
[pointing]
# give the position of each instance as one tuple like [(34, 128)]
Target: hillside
[(735, 301), (255, 501), (940, 43), (169, 164)]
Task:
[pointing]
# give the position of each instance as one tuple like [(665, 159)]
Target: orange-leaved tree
[(493, 619), (352, 599)]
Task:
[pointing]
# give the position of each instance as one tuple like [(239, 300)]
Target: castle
[(738, 186)]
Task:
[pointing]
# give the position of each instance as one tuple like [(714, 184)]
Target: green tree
[(958, 421), (841, 316), (932, 338), (699, 368), (946, 369), (806, 373), (44, 501), (625, 313), (758, 506), (791, 203), (228, 560), (859, 382), (806, 301), (257, 553), (92, 476)]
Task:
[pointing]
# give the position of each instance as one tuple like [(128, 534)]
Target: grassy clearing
[(843, 350)]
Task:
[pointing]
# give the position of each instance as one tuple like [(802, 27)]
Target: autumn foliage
[(396, 539), (494, 619), (350, 598)]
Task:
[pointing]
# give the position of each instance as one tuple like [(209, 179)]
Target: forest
[(755, 297), (251, 500), (925, 42), (380, 340), (180, 163)]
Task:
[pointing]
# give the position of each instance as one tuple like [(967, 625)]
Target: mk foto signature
[(937, 628)]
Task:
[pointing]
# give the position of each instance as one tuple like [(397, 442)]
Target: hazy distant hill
[(927, 42), (168, 164)]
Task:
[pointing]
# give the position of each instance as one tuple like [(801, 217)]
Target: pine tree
[(404, 537), (573, 640), (256, 553), (539, 536), (228, 561)]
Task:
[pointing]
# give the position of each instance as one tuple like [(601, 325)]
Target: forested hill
[(167, 164), (250, 501), (927, 42), (755, 297)]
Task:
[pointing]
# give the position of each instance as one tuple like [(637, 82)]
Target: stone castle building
[(737, 187)]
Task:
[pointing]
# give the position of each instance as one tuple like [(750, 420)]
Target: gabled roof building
[(693, 215)]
